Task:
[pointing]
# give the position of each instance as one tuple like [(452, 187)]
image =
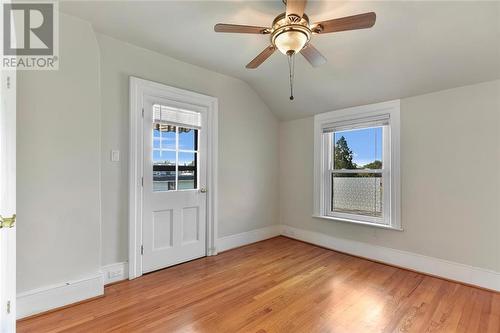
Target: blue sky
[(366, 144), (186, 142)]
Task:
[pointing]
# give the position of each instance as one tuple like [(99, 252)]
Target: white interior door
[(7, 202), (174, 178)]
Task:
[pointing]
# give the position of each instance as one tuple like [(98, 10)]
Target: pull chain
[(291, 68)]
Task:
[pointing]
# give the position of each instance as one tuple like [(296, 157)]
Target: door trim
[(138, 88), (8, 200)]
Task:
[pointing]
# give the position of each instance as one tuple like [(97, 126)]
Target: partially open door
[(7, 202)]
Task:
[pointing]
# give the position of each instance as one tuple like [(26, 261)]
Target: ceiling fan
[(291, 33)]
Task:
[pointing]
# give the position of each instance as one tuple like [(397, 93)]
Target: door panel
[(174, 208), (190, 225), (163, 229)]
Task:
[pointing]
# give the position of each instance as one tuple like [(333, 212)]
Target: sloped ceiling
[(414, 48)]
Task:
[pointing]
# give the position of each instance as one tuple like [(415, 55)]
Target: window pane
[(163, 181), (167, 136), (358, 149), (188, 171), (188, 139), (357, 193), (163, 170), (156, 142), (163, 157)]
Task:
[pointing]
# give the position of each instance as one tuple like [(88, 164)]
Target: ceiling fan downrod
[(291, 69)]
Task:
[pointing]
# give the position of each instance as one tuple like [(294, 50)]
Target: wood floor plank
[(280, 285)]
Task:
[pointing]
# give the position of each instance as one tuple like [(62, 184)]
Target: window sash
[(355, 217), (385, 172)]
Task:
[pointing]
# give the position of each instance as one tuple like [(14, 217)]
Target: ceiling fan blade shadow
[(361, 21), (312, 55), (258, 60), (242, 29)]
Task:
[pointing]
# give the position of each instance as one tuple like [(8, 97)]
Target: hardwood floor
[(280, 285)]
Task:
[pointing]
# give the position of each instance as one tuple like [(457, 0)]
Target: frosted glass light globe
[(292, 40)]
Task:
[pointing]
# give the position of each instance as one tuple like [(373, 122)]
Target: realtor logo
[(29, 36)]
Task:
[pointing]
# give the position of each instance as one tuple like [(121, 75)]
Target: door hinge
[(8, 307), (8, 82), (7, 222), (142, 112), (142, 181), (142, 250)]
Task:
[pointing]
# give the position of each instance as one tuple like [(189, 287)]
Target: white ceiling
[(414, 47)]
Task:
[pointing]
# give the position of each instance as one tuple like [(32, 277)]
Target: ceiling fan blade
[(361, 21), (242, 29), (312, 55), (261, 57), (295, 7)]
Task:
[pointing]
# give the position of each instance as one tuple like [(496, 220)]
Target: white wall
[(248, 142), (62, 151), (450, 169), (65, 174), (58, 159)]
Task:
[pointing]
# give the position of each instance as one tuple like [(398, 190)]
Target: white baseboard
[(115, 272), (48, 298), (249, 237), (438, 267)]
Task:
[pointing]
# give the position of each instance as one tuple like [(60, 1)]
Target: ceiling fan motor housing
[(290, 34)]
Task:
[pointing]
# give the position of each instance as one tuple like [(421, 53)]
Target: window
[(175, 149), (357, 165)]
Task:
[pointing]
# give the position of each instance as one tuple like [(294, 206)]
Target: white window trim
[(138, 90), (391, 108)]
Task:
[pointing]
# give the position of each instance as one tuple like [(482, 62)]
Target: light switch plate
[(115, 156)]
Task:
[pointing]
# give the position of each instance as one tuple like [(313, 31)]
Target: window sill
[(369, 224)]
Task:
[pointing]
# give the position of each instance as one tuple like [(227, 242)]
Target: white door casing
[(173, 221), (8, 201), (144, 92)]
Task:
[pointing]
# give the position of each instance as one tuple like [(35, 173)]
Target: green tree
[(343, 155), (373, 165)]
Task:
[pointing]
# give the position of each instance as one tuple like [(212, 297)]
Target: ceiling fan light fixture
[(291, 33), (290, 41)]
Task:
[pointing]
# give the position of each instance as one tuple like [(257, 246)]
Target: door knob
[(203, 189)]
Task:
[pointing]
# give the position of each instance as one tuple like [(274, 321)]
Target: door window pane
[(163, 157), (187, 171), (188, 139), (167, 135), (175, 153), (163, 180), (164, 170)]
